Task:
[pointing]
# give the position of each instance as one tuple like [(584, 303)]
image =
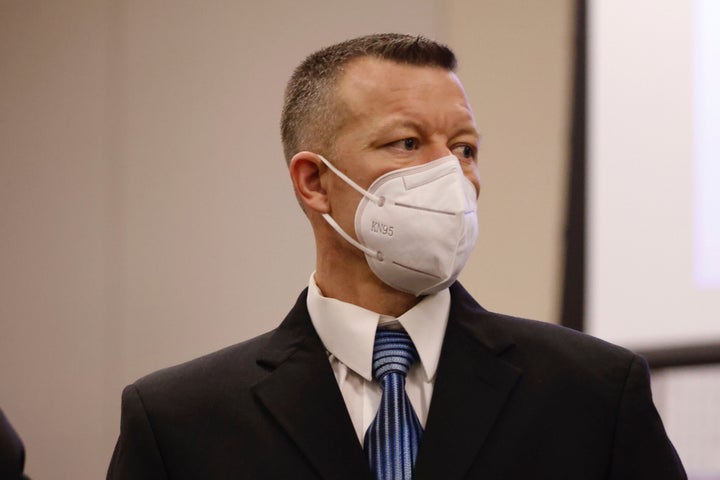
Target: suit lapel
[(472, 385), (302, 395)]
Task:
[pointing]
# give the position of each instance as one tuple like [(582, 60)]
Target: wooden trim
[(682, 356)]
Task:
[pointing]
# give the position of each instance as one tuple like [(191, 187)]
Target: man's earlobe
[(305, 171)]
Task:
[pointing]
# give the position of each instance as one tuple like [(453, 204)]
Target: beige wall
[(516, 64), (145, 213)]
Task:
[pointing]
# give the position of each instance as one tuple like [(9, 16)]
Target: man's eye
[(408, 144), (464, 151)]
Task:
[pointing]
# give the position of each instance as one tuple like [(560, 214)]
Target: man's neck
[(353, 282)]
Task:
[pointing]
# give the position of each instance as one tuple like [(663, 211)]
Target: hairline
[(335, 107)]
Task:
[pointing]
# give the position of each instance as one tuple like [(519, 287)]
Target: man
[(12, 452), (381, 145)]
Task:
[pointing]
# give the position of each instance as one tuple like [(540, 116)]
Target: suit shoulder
[(562, 344), (545, 340), (552, 356), (558, 336), (209, 371)]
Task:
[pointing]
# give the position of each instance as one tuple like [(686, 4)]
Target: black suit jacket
[(12, 452), (513, 399)]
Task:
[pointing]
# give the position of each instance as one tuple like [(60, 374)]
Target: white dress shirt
[(348, 333)]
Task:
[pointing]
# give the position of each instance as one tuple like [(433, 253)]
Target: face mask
[(416, 225)]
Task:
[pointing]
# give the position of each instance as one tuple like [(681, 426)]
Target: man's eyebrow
[(472, 131), (411, 123), (399, 122)]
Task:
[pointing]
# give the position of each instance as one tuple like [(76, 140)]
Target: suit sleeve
[(641, 447), (136, 455)]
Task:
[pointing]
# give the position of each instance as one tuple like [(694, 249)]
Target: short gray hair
[(311, 116)]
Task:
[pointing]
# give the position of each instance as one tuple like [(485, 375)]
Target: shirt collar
[(348, 331)]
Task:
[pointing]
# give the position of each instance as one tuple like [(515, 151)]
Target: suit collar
[(348, 331), (301, 393), (473, 384)]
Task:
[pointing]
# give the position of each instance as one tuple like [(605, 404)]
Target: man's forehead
[(394, 94), (372, 73), (370, 83)]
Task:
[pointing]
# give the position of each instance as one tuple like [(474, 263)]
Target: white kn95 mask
[(417, 225)]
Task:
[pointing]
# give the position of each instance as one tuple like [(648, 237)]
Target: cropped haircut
[(311, 114)]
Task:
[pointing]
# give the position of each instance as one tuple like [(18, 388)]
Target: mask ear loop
[(380, 201), (368, 251)]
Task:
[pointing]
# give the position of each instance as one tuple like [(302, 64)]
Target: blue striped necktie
[(391, 440)]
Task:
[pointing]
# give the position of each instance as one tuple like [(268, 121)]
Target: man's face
[(397, 116)]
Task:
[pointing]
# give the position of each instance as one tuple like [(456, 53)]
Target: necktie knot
[(393, 352)]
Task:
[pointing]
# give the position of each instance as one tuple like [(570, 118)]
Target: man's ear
[(305, 171)]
